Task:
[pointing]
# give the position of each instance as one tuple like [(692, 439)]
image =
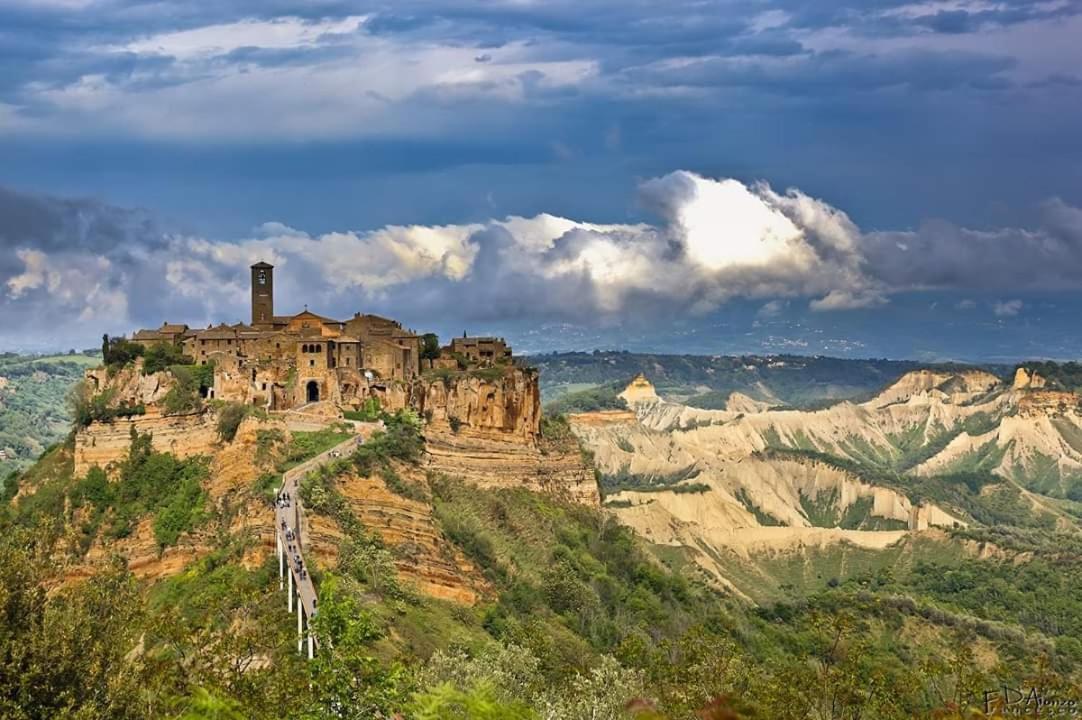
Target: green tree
[(346, 677), (446, 702), (118, 352), (430, 347), (204, 705), (229, 420), (161, 355)]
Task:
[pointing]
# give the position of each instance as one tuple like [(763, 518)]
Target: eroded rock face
[(1048, 402), (639, 390), (1023, 379), (505, 408), (558, 469), (106, 443), (948, 387), (481, 427), (128, 385), (423, 557)]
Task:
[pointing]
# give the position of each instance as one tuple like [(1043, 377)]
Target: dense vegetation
[(581, 619), (602, 397), (33, 409), (147, 484), (1060, 376), (578, 616)]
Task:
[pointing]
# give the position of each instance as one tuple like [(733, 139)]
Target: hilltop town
[(279, 362)]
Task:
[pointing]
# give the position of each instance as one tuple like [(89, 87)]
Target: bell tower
[(262, 294)]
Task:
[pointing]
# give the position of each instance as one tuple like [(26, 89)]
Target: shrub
[(370, 411), (456, 424), (229, 419), (555, 428), (118, 352), (160, 356), (186, 393), (87, 408), (402, 440)]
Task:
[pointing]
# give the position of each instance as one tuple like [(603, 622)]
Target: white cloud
[(771, 309), (1007, 308), (279, 33), (366, 89), (716, 240)]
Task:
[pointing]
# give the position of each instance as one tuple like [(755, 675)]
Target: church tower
[(262, 294)]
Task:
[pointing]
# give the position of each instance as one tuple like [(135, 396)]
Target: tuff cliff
[(487, 430), (480, 426), (106, 443), (502, 404)]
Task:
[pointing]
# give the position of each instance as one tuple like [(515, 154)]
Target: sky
[(847, 177)]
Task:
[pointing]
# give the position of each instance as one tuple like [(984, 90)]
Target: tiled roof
[(172, 328)]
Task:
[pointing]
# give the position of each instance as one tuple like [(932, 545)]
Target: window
[(262, 277), (264, 386), (347, 362), (311, 363)]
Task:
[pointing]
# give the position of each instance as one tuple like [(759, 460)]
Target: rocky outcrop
[(1048, 402), (128, 385), (948, 387), (1026, 380), (556, 468), (639, 390), (423, 557), (500, 404), (106, 443)]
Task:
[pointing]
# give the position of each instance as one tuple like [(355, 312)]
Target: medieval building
[(283, 361)]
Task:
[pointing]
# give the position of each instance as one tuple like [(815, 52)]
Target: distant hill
[(706, 381), (33, 413)]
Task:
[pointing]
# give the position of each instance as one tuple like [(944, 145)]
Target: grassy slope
[(570, 587)]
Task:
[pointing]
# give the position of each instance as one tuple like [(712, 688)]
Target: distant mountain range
[(706, 381)]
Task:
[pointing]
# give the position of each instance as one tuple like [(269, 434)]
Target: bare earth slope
[(749, 480)]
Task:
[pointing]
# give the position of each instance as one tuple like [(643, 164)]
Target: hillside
[(951, 450), (33, 411), (707, 381), (465, 558)]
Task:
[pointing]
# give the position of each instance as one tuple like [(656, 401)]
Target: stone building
[(167, 333), (481, 350), (282, 361)]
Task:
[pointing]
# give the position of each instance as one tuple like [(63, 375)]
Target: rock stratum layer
[(106, 443), (482, 427)]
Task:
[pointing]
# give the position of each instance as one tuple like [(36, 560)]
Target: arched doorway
[(312, 391)]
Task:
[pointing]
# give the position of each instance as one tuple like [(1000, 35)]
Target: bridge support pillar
[(289, 602), (300, 627), (311, 641), (281, 560)]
